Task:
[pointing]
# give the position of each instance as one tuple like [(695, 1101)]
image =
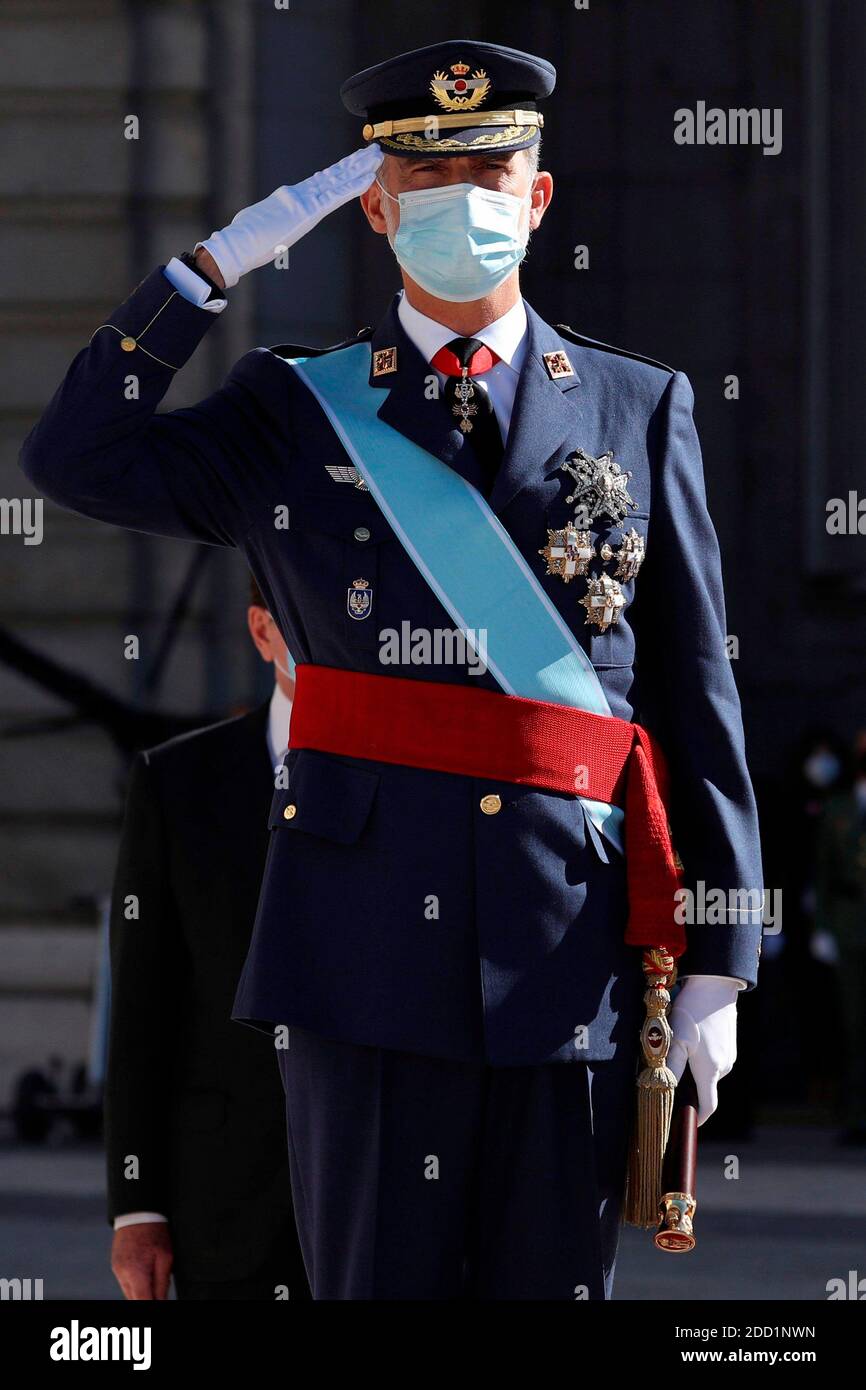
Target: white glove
[(704, 1023), (253, 237)]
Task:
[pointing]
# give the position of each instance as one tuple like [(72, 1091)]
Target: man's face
[(507, 173), (504, 173)]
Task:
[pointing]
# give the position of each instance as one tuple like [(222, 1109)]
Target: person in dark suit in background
[(841, 915), (198, 1180)]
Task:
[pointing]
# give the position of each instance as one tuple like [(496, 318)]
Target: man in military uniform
[(470, 861)]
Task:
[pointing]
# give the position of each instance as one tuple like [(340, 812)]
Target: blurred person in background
[(819, 770), (198, 1181), (841, 916)]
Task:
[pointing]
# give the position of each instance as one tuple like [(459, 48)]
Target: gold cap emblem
[(459, 92)]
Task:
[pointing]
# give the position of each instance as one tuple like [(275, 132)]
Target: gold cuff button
[(290, 812), (128, 344), (491, 803)]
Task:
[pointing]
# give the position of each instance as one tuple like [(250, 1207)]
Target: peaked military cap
[(453, 98)]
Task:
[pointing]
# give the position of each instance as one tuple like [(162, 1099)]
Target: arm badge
[(359, 600)]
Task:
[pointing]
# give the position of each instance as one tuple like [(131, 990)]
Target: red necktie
[(472, 408)]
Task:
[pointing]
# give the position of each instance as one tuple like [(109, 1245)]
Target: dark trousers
[(281, 1270), (419, 1178)]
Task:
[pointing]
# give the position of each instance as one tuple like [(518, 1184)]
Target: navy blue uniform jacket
[(394, 912)]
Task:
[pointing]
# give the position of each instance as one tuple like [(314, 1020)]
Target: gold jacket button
[(290, 812), (128, 344), (491, 803)]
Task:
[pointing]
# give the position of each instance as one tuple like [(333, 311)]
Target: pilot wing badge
[(345, 473)]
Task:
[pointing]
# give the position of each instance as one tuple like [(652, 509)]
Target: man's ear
[(542, 193), (372, 201), (258, 622)]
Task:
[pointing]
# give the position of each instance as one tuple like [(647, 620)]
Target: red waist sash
[(506, 738)]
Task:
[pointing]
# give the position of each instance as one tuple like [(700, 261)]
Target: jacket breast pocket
[(325, 797), (343, 534)]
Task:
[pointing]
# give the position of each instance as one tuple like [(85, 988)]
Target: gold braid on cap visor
[(514, 135), (464, 120)]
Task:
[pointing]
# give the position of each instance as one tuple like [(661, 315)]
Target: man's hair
[(256, 597), (533, 158)]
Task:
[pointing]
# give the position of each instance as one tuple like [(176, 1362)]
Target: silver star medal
[(601, 487)]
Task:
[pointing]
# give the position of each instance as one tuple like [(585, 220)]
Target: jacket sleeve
[(101, 449), (149, 966), (689, 701)]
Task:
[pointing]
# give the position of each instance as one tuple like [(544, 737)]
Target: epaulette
[(574, 337), (301, 350)]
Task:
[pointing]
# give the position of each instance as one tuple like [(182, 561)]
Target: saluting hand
[(256, 235)]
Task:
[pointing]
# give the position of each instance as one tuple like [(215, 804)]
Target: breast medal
[(629, 557), (568, 552), (601, 488), (603, 601)]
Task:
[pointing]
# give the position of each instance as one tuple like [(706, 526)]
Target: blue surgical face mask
[(461, 241)]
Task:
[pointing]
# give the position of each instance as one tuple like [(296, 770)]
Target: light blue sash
[(462, 550)]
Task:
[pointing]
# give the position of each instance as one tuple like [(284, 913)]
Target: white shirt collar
[(279, 715), (506, 335)]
